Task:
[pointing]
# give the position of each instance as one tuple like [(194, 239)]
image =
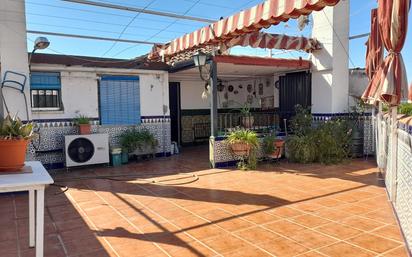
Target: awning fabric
[(389, 84), (274, 41), (374, 52), (410, 94), (270, 12)]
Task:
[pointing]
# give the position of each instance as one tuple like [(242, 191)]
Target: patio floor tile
[(374, 243), (345, 250), (338, 230), (278, 210)]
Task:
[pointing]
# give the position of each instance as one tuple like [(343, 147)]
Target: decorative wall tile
[(49, 147)]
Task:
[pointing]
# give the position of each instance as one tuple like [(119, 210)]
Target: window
[(45, 91), (119, 100)]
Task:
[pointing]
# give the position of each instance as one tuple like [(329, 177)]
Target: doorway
[(174, 106), (294, 88)]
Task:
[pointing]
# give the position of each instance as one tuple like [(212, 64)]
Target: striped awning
[(410, 94), (389, 84), (374, 51), (264, 15), (274, 41)]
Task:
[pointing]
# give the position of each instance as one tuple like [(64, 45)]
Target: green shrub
[(328, 143), (134, 139), (268, 143), (332, 140), (301, 148), (405, 108)]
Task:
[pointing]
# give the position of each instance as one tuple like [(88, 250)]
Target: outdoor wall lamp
[(200, 60), (39, 44)]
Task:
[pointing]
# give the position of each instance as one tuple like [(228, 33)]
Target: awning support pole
[(394, 152), (213, 98)]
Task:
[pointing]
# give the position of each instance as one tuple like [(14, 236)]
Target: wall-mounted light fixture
[(200, 61)]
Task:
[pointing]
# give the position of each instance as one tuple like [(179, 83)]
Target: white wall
[(13, 51), (79, 91), (330, 77), (191, 92)]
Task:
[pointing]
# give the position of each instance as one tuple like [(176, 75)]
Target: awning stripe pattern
[(374, 52), (263, 15), (389, 85), (274, 41)]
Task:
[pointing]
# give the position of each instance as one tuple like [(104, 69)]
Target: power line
[(125, 28), (85, 29), (168, 26), (97, 12), (339, 39), (91, 37), (96, 22), (140, 10)]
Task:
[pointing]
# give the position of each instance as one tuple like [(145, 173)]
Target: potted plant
[(135, 141), (247, 118), (244, 144), (14, 138), (83, 123), (272, 146)]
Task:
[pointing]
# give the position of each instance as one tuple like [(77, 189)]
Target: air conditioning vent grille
[(80, 150)]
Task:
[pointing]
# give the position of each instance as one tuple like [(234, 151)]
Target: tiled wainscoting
[(223, 157), (49, 148)]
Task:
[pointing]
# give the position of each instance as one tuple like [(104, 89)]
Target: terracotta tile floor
[(279, 210)]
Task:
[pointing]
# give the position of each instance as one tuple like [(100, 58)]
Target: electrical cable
[(339, 39), (160, 31), (127, 26)]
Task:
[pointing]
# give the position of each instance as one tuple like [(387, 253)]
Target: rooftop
[(180, 207)]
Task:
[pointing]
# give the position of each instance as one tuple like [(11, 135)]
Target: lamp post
[(200, 60)]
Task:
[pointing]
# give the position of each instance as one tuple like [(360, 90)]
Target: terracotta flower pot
[(279, 144), (12, 154), (84, 129), (240, 149), (247, 121)]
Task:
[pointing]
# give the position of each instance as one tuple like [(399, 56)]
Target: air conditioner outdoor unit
[(86, 149)]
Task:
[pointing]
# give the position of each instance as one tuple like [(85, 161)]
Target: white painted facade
[(191, 92), (330, 77), (79, 91), (13, 51)]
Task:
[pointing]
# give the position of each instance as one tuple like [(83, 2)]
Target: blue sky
[(64, 17)]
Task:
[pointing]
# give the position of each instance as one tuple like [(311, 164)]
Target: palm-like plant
[(12, 128)]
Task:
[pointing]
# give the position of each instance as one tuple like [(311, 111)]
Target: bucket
[(116, 157), (125, 157)]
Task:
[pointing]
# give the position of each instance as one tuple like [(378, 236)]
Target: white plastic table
[(35, 183)]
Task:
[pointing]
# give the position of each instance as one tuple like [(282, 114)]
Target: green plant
[(81, 120), (405, 108), (301, 123), (245, 110), (268, 143), (134, 139), (248, 137), (13, 128), (332, 141), (327, 143), (301, 148)]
